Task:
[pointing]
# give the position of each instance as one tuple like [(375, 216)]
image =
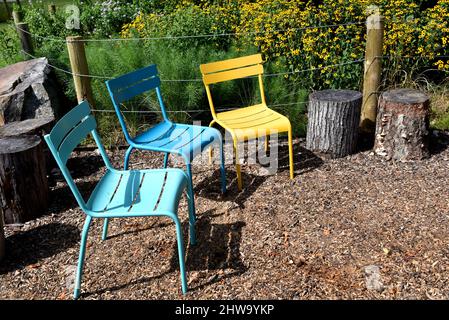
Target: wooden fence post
[(8, 12), (373, 72), (17, 17), (52, 8), (80, 69), (25, 38)]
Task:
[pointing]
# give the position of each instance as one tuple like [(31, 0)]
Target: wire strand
[(199, 79), (191, 36)]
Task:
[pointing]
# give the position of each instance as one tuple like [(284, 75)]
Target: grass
[(111, 59)]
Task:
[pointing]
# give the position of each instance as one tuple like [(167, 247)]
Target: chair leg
[(290, 152), (82, 253), (266, 143), (127, 155), (166, 159), (237, 166), (211, 155), (180, 241), (105, 229), (211, 150), (191, 197), (222, 168)]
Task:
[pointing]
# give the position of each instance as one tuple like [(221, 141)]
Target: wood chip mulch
[(319, 236)]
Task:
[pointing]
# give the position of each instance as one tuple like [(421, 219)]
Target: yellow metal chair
[(248, 122)]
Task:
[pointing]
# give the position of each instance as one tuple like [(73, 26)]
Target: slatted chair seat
[(119, 194), (184, 140), (252, 122), (137, 192)]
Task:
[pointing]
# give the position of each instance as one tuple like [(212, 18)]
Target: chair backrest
[(231, 69), (67, 134), (130, 85)]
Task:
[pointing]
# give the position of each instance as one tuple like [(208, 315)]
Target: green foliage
[(310, 48), (9, 44), (101, 19)]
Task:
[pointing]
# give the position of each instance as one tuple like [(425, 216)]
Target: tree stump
[(23, 180), (402, 126), (333, 121), (2, 239), (39, 127)]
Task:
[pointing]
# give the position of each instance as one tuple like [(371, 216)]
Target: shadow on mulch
[(29, 247), (79, 167), (62, 199), (439, 143), (86, 166), (217, 248), (303, 161), (210, 187)]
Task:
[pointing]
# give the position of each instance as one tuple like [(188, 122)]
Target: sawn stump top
[(336, 95), (405, 96), (10, 145)]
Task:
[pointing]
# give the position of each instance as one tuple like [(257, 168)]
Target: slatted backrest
[(68, 133), (71, 130), (231, 69), (130, 85)]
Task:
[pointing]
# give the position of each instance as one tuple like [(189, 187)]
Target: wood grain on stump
[(2, 238), (333, 121), (402, 126), (23, 180), (39, 127)]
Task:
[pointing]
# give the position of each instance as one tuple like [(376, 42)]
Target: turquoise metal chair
[(168, 137), (119, 194)]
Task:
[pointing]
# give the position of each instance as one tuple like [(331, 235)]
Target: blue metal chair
[(127, 193), (168, 137)]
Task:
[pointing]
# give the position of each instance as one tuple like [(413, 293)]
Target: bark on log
[(23, 180), (2, 238), (333, 121), (402, 131), (39, 127)]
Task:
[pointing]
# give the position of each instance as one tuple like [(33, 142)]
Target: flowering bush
[(415, 38), (190, 20), (104, 18)]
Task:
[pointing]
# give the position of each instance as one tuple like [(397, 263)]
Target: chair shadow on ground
[(438, 143), (62, 198), (86, 166), (217, 248), (210, 187), (30, 247)]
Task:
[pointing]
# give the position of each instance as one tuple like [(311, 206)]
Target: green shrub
[(9, 44)]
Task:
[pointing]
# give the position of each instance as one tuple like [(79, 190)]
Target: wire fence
[(169, 37), (330, 66), (211, 35)]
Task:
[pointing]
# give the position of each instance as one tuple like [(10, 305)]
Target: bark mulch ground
[(308, 238)]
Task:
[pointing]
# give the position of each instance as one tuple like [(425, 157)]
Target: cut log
[(39, 126), (2, 238), (23, 180), (402, 126), (333, 121)]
